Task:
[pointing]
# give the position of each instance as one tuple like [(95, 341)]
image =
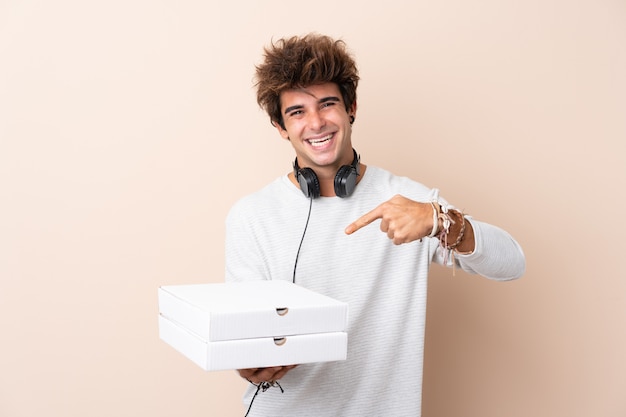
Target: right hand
[(271, 374), (402, 219)]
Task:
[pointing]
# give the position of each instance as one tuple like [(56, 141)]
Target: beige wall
[(128, 128)]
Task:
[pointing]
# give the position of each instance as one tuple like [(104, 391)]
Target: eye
[(295, 113)]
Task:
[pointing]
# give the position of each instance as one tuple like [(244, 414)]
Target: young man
[(308, 226)]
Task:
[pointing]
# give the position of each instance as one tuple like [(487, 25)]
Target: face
[(318, 126)]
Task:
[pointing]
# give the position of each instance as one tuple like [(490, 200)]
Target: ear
[(281, 131), (353, 109)]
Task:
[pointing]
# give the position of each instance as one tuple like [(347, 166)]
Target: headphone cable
[(302, 239)]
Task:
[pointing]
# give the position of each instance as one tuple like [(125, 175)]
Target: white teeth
[(320, 141)]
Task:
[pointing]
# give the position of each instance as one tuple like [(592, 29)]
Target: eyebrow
[(321, 101)]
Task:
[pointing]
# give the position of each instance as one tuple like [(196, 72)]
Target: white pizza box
[(252, 324), (254, 353)]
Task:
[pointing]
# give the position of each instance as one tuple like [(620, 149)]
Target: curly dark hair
[(298, 62)]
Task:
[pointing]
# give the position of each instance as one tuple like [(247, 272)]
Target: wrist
[(456, 231), (452, 229), (461, 234)]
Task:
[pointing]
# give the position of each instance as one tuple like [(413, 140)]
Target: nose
[(315, 120)]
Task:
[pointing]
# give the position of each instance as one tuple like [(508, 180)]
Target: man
[(308, 227)]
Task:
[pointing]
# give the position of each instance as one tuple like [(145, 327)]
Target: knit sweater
[(384, 285)]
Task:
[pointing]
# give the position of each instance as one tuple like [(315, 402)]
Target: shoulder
[(275, 195)]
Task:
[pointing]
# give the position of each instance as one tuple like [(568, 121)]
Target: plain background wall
[(128, 129)]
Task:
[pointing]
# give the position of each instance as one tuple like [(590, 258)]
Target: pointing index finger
[(364, 220)]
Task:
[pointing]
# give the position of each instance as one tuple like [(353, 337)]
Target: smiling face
[(317, 124)]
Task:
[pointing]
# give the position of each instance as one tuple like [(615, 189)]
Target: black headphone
[(345, 179)]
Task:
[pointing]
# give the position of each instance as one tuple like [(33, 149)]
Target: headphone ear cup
[(309, 183), (345, 181)]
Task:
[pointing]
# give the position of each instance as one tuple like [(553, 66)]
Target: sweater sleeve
[(497, 254)]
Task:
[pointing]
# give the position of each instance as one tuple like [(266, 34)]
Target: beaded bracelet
[(446, 221), (448, 250), (461, 233)]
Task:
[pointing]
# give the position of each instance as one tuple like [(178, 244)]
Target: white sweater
[(384, 285)]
